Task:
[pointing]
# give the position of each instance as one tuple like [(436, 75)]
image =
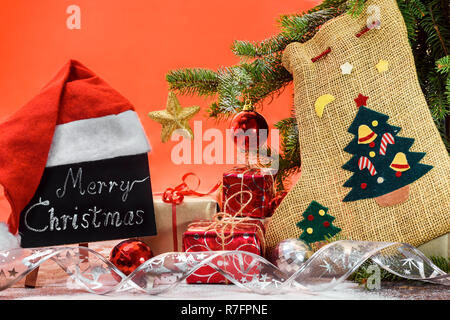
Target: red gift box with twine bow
[(259, 181), (226, 232), (245, 235)]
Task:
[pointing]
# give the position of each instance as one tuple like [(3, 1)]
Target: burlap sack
[(425, 214)]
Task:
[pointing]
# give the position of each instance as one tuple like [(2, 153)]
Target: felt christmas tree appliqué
[(317, 224), (382, 164)]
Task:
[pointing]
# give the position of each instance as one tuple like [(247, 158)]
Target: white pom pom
[(7, 239)]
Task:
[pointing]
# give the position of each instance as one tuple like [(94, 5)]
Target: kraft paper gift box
[(191, 209)]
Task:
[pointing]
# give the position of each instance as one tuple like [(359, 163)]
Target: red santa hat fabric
[(76, 117)]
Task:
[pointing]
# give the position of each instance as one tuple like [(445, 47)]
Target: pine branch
[(302, 27), (203, 82), (410, 12), (443, 69), (416, 7), (259, 49), (427, 23), (436, 95), (443, 65), (437, 29), (262, 78), (269, 78), (437, 33), (441, 262), (296, 28), (355, 7), (232, 83)]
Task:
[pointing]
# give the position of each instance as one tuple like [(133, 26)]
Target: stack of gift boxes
[(247, 198), (247, 195)]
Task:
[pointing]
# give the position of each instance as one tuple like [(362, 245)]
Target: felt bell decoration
[(399, 163), (365, 135)]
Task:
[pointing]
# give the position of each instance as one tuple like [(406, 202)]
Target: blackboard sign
[(90, 201)]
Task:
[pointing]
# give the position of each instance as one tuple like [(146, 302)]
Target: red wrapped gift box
[(259, 181), (204, 236)]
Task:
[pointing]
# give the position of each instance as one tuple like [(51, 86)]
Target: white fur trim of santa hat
[(98, 139), (8, 241)]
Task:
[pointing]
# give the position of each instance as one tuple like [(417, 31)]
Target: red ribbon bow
[(176, 195)]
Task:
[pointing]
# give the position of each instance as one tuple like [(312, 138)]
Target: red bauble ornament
[(128, 255), (398, 174), (310, 217), (363, 185), (246, 128), (326, 224)]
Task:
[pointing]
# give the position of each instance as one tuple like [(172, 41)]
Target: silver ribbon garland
[(326, 268)]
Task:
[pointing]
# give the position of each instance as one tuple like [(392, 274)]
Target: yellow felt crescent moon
[(321, 102)]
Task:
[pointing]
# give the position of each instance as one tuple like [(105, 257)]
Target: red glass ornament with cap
[(128, 255), (247, 128)]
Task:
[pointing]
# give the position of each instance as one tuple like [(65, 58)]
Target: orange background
[(132, 44)]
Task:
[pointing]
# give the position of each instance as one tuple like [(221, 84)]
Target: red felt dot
[(310, 217), (363, 185), (398, 174), (326, 224), (372, 144)]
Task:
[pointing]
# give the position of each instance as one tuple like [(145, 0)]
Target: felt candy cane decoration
[(386, 139), (364, 162)]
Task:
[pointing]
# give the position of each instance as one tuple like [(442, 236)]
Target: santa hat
[(76, 117)]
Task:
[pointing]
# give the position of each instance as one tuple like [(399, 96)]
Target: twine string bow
[(224, 223)]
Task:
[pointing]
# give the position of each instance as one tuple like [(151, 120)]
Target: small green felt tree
[(317, 224)]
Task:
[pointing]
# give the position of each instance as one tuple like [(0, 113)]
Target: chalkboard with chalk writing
[(90, 201)]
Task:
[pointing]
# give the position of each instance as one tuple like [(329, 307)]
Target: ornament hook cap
[(248, 106)]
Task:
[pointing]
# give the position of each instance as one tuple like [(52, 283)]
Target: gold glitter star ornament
[(174, 117)]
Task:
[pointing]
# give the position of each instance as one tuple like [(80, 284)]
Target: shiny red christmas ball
[(130, 254), (246, 129)]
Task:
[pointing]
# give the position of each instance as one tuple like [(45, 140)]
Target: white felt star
[(346, 68)]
